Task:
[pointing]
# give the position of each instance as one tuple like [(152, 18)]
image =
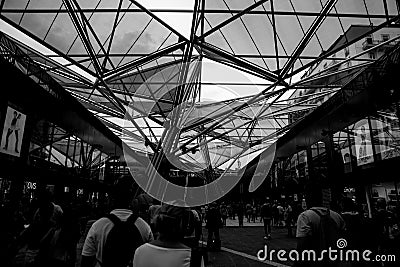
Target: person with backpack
[(318, 228), (112, 240)]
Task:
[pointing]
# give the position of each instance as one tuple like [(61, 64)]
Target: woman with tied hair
[(168, 250)]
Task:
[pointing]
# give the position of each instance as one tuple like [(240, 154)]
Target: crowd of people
[(126, 230), (319, 228), (140, 233)]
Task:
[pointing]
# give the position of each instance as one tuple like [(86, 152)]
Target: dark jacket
[(213, 217)]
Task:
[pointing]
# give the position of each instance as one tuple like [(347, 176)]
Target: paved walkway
[(232, 223), (240, 245)]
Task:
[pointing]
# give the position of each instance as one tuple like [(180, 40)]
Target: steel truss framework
[(144, 79), (49, 142)]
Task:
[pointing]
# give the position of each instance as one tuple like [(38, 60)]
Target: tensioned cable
[(52, 23), (301, 25), (250, 35), (366, 9), (134, 42), (22, 16), (76, 37), (230, 47), (279, 38)]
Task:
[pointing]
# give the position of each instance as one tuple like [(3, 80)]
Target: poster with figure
[(363, 145), (13, 131)]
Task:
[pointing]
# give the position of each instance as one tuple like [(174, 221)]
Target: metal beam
[(307, 37), (331, 52), (83, 35), (150, 13), (51, 142), (109, 75), (112, 34), (206, 11), (233, 18), (233, 61), (275, 34), (48, 46), (355, 56), (1, 6), (181, 55)]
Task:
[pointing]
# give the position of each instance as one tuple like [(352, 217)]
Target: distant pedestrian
[(266, 215), (240, 213), (249, 211), (214, 222), (288, 216), (281, 211), (224, 214), (275, 214), (254, 213)]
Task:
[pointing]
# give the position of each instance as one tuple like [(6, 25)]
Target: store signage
[(30, 185), (349, 190)]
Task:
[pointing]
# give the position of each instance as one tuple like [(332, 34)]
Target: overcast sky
[(260, 40)]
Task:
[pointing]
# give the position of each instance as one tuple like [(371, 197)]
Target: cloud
[(145, 43)]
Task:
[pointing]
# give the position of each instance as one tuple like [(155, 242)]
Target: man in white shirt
[(318, 228), (93, 248)]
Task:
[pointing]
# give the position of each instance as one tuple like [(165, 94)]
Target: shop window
[(386, 134), (343, 147), (314, 150), (368, 39), (372, 55), (385, 37)]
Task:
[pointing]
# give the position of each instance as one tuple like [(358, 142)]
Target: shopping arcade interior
[(106, 78)]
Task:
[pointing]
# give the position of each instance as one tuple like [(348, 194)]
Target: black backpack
[(122, 241), (327, 233)]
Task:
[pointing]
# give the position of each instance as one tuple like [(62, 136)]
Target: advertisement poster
[(387, 138), (13, 131), (363, 145)]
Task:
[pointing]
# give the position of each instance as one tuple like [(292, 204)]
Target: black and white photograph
[(200, 133), (13, 132)]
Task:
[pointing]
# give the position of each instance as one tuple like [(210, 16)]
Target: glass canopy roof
[(210, 83)]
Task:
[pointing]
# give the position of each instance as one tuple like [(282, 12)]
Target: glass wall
[(375, 138), (386, 134)]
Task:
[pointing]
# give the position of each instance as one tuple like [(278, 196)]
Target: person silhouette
[(14, 128), (363, 146)]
